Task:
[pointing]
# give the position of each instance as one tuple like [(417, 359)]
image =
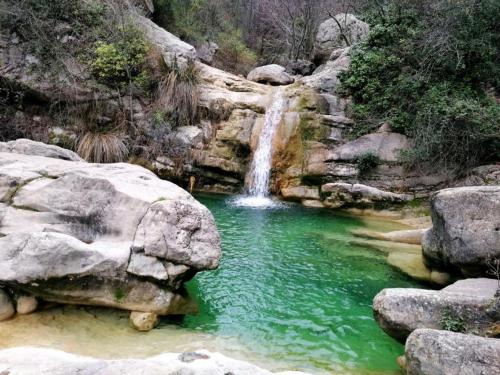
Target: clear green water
[(292, 289)]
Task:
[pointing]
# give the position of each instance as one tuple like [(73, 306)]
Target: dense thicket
[(432, 70)]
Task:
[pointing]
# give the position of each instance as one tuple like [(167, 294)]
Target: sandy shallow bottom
[(106, 333)]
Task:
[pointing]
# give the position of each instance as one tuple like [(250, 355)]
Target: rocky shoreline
[(464, 241)]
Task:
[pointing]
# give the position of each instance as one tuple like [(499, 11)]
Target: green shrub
[(367, 162), (121, 61), (450, 321), (428, 80)]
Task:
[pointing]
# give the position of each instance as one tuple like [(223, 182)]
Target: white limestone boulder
[(112, 234)]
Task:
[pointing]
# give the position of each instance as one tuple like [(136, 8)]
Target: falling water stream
[(260, 169)]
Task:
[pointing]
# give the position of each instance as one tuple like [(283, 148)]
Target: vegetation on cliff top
[(432, 70)]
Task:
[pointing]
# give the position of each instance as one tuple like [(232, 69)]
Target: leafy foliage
[(450, 321), (367, 162), (431, 70), (121, 60)]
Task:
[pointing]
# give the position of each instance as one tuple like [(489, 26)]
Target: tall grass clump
[(177, 94), (98, 141)]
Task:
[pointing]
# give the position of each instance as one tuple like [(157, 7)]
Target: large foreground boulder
[(343, 31), (465, 237), (431, 352), (468, 305), (99, 234), (273, 74), (32, 361)]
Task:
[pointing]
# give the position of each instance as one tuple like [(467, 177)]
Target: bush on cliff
[(432, 70)]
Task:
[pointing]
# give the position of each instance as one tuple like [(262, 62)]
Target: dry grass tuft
[(102, 147), (178, 94)]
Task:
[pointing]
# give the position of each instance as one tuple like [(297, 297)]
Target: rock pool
[(292, 293)]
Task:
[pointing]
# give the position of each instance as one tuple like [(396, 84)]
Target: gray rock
[(325, 77), (300, 67), (69, 229), (400, 311), (170, 46), (189, 136), (339, 194), (32, 361), (29, 147), (207, 51), (465, 236), (330, 37), (273, 74), (6, 306), (387, 146), (431, 352)]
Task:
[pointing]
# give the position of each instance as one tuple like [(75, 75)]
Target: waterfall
[(260, 169)]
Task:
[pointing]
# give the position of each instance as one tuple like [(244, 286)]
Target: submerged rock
[(100, 234), (31, 361), (432, 352), (411, 236), (464, 305), (465, 237), (273, 74)]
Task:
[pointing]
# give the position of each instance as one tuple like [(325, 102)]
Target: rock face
[(386, 146), (110, 235), (343, 31), (273, 74), (431, 352), (467, 304), (465, 237), (170, 46), (31, 361)]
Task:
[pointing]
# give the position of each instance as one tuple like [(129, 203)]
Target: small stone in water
[(192, 356), (143, 321), (26, 305)]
